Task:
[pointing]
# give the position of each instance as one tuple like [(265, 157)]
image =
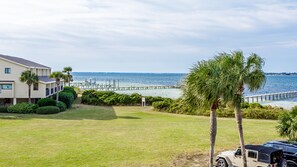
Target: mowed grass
[(116, 136)]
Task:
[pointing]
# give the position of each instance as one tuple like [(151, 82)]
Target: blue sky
[(147, 35)]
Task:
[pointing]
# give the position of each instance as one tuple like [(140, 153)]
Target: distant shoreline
[(281, 74), (179, 73)]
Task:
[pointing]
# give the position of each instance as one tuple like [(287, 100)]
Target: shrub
[(92, 97), (150, 99), (111, 100), (62, 106), (135, 98), (123, 99), (255, 106), (287, 124), (66, 98), (245, 105), (255, 111), (48, 110), (22, 108), (3, 109), (71, 90), (46, 102), (162, 105)]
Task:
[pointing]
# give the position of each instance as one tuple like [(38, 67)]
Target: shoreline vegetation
[(179, 106)]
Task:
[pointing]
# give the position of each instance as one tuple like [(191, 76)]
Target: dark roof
[(24, 62), (6, 81), (46, 79), (287, 143), (261, 148)]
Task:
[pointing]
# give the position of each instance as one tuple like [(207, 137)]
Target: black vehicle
[(289, 150)]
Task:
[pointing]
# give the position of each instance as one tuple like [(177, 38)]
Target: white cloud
[(109, 27)]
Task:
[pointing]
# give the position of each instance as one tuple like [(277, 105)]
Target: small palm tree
[(29, 78), (57, 76), (66, 78), (243, 73), (204, 87), (288, 125), (67, 70)]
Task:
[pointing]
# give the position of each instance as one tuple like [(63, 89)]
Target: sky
[(147, 35)]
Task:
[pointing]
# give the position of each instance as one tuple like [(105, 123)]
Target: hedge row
[(45, 105), (92, 97), (3, 109), (22, 108), (251, 111), (48, 110), (27, 108)]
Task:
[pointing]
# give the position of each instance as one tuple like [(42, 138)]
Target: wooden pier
[(270, 97), (114, 87)]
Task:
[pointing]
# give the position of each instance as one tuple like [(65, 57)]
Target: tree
[(29, 78), (205, 87), (243, 73), (67, 70), (288, 125), (57, 76), (67, 78)]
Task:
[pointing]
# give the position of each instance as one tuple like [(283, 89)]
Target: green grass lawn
[(116, 136)]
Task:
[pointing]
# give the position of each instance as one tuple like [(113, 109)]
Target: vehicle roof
[(261, 148), (287, 143)]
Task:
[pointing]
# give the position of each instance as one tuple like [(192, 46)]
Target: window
[(35, 86), (6, 87), (291, 150), (278, 147), (264, 158), (7, 71), (238, 152), (252, 154)]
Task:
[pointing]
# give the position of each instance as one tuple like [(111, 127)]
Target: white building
[(13, 91)]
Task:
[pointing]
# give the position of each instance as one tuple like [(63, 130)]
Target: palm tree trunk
[(213, 131), (238, 116), (69, 80), (57, 96), (29, 92)]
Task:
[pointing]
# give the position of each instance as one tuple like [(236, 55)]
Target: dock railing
[(114, 87), (270, 97)]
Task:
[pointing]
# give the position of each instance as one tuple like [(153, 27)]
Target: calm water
[(131, 78), (273, 83)]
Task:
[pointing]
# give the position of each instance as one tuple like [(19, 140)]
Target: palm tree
[(30, 79), (58, 76), (67, 70), (205, 87), (66, 78), (288, 125), (243, 73)]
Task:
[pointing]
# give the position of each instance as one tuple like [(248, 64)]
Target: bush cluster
[(62, 106), (22, 108), (48, 110), (46, 102), (3, 109), (92, 97), (69, 89), (43, 106), (67, 98), (251, 111)]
